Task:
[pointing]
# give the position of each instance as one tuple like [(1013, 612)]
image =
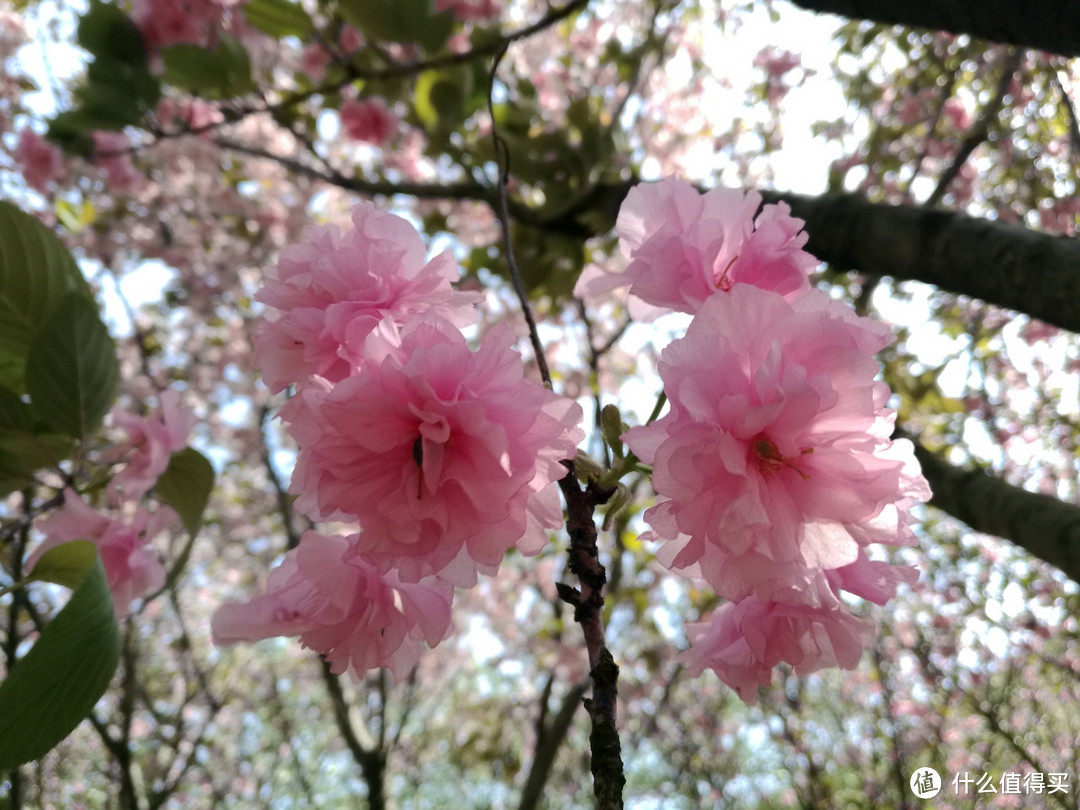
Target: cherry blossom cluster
[(774, 468), (444, 457), (43, 164), (123, 534), (466, 10)]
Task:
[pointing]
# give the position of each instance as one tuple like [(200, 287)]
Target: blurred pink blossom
[(466, 10), (777, 62), (742, 642), (131, 568), (111, 155), (191, 113), (684, 246), (957, 113), (151, 442), (332, 290), (167, 22), (342, 608), (350, 39), (41, 162), (775, 460), (313, 59), (368, 120), (435, 448)]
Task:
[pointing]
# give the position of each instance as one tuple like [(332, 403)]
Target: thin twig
[(502, 212), (981, 131)]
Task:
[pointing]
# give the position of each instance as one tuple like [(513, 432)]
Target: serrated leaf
[(49, 692), (279, 18), (71, 368), (186, 485), (36, 273)]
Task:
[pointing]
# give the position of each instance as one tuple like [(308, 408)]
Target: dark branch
[(588, 603), (1000, 263), (981, 131), (1047, 25), (1044, 526)]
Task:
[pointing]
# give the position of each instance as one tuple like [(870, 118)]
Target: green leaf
[(36, 273), (186, 485), (24, 453), (279, 18), (66, 564), (71, 368), (391, 20), (75, 217), (48, 693), (440, 97), (221, 73), (105, 30)]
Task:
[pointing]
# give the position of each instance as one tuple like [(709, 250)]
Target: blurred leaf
[(105, 31), (71, 368), (49, 692), (279, 18), (23, 453), (224, 72), (406, 21), (36, 273), (75, 218), (66, 564), (440, 97), (186, 486)]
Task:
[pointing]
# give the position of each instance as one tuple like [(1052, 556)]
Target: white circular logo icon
[(925, 783)]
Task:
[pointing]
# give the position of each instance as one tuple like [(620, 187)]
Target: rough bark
[(588, 603), (1003, 264), (1044, 526), (1048, 25)]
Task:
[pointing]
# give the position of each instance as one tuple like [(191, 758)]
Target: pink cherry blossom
[(743, 641), (131, 568), (190, 113), (333, 290), (343, 608), (313, 60), (41, 162), (777, 62), (466, 10), (111, 155), (435, 448), (685, 246), (368, 120), (957, 113), (774, 462), (167, 22), (151, 443)]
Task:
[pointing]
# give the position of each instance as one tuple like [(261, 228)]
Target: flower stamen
[(770, 459)]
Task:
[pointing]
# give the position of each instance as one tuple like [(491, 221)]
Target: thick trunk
[(1048, 25)]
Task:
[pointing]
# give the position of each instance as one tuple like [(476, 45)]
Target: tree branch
[(997, 262), (1044, 526), (981, 131), (372, 762), (549, 736), (1048, 25), (1000, 263), (588, 603)]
